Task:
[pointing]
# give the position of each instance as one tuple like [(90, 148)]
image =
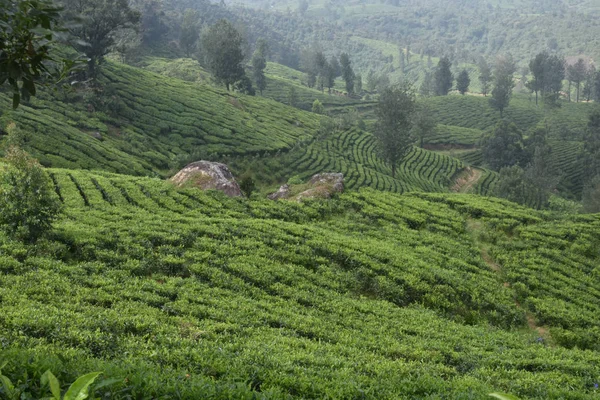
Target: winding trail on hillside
[(474, 227), (467, 179)]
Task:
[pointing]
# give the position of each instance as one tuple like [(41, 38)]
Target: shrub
[(28, 203), (247, 185)]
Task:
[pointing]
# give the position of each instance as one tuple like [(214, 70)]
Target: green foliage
[(347, 72), (295, 299), (485, 76), (223, 55), (591, 196), (98, 22), (28, 34), (443, 78), (503, 147), (317, 107), (503, 83), (463, 81), (394, 123), (247, 185), (28, 204), (190, 32), (259, 63), (79, 390)]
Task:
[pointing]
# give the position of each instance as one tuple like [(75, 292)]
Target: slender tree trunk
[(578, 84), (393, 170), (569, 91), (536, 97)]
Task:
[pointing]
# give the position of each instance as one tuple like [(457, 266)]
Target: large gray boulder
[(208, 175)]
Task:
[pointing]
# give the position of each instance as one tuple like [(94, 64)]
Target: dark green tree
[(588, 88), (335, 66), (347, 72), (596, 87), (591, 196), (100, 19), (223, 55), (591, 150), (538, 66), (503, 147), (577, 75), (28, 33), (424, 123), (426, 89), (443, 78), (394, 123), (485, 76), (463, 81), (317, 107), (503, 83), (190, 32), (358, 83), (259, 63)]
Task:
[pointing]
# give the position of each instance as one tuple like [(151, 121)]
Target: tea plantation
[(370, 295), (143, 123)]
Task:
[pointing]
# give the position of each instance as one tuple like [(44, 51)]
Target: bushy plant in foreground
[(28, 204)]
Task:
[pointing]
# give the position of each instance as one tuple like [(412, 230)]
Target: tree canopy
[(394, 123), (223, 55)]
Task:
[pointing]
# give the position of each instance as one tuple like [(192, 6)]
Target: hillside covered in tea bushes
[(369, 295)]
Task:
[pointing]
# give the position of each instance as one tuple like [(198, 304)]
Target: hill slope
[(372, 295), (142, 123)]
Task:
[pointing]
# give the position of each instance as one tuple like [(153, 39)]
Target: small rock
[(208, 175), (97, 135), (282, 193), (333, 180)]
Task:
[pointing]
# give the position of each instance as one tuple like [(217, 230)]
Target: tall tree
[(190, 32), (591, 151), (443, 77), (223, 55), (503, 147), (394, 123), (424, 123), (596, 87), (321, 67), (538, 66), (588, 88), (578, 74), (485, 76), (100, 20), (463, 81), (503, 83), (358, 83), (426, 89), (347, 72), (259, 63), (335, 66)]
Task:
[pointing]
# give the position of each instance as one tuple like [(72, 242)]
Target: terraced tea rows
[(372, 295), (143, 123), (353, 153)]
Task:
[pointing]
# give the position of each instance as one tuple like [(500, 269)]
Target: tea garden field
[(183, 293)]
